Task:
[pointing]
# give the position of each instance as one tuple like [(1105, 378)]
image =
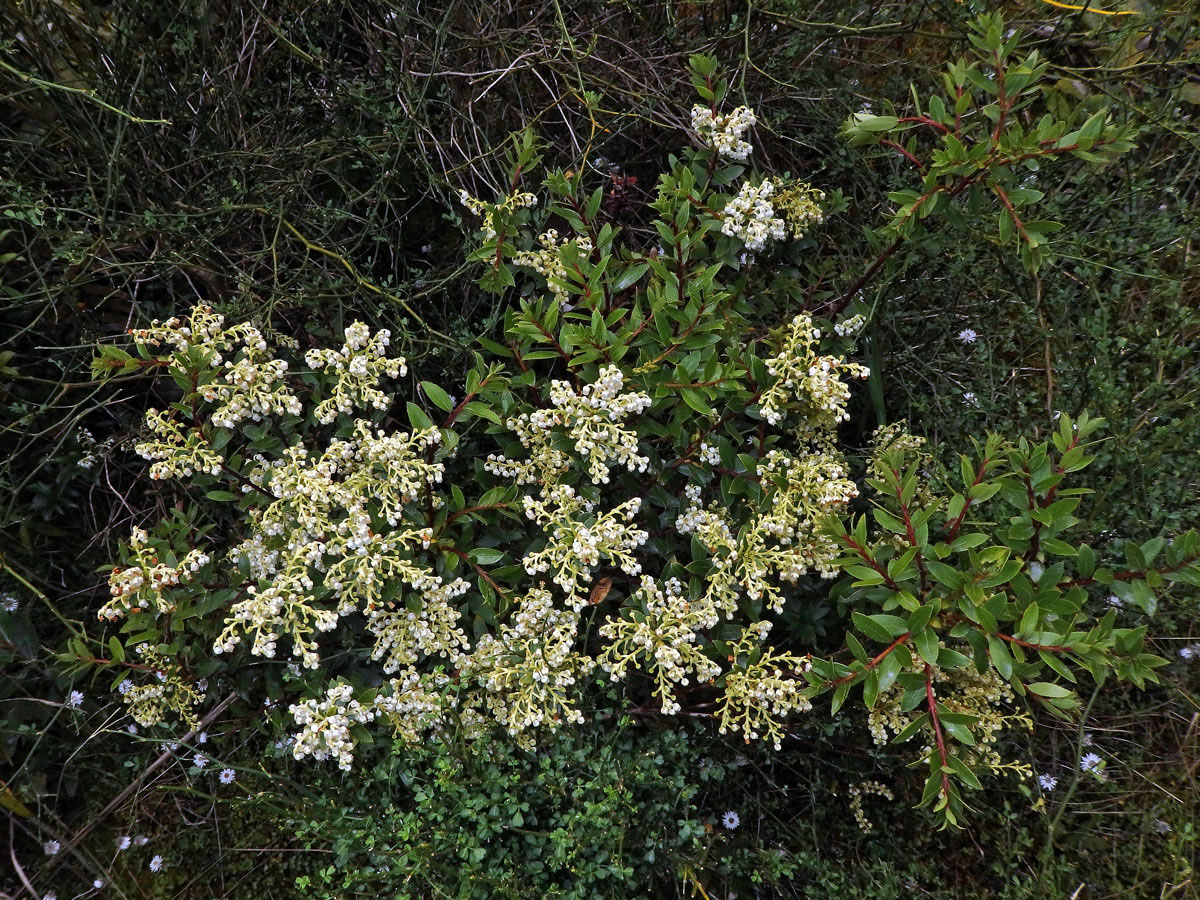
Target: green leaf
[(417, 417), (875, 123), (485, 556), (437, 396), (1001, 658), (927, 646), (1047, 689), (944, 574), (630, 276), (872, 629)]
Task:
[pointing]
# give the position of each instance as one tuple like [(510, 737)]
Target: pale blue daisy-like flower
[(200, 760), (1047, 782), (51, 848), (156, 863), (968, 335), (1091, 762), (75, 699), (227, 776), (731, 820)]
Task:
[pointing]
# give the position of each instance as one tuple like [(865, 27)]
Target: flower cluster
[(860, 790), (751, 218), (762, 688), (578, 539), (359, 366), (143, 583), (780, 542), (205, 330), (982, 700), (725, 134), (662, 638), (151, 703), (319, 526), (177, 454), (810, 380), (416, 703), (249, 385), (800, 206), (591, 418), (488, 211), (548, 262), (92, 449), (529, 668), (325, 725), (851, 326)]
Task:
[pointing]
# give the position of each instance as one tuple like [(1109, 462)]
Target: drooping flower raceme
[(662, 639), (808, 382), (751, 218), (725, 133), (359, 365), (591, 418)]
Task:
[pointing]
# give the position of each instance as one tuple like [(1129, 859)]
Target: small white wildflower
[(98, 883), (156, 863), (200, 760), (74, 699), (202, 737), (9, 603), (227, 776), (1047, 782), (51, 848), (131, 728), (141, 840), (1087, 739), (124, 686), (969, 397), (968, 335), (1090, 763), (1115, 601), (1191, 651), (124, 843), (1162, 827), (50, 896), (731, 820)]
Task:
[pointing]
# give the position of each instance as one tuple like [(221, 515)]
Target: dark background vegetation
[(308, 176)]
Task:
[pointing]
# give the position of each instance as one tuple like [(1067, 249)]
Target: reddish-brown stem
[(470, 509), (903, 152), (952, 532), (1049, 648), (869, 560), (871, 664), (912, 537), (925, 120), (931, 700), (1020, 226)]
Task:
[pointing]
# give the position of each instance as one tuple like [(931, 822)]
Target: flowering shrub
[(639, 479)]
